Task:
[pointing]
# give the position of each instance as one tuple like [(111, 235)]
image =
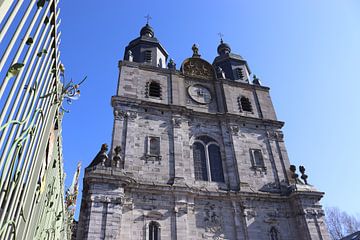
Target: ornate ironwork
[(31, 96)]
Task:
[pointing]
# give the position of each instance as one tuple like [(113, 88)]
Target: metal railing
[(31, 172)]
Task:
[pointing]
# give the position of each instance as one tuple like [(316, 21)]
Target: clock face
[(199, 94)]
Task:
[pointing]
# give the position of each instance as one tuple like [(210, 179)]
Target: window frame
[(148, 147), (207, 159), (148, 156), (239, 71), (148, 88), (148, 53), (253, 159), (240, 103), (148, 230)]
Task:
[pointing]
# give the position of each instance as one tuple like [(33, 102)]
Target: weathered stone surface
[(120, 201)]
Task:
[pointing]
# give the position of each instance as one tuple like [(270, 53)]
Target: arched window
[(153, 89), (274, 234), (154, 231), (207, 160), (245, 104)]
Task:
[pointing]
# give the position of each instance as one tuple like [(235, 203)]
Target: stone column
[(113, 219), (181, 211), (119, 131), (309, 216), (239, 220), (180, 158)]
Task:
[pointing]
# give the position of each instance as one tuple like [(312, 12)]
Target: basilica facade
[(197, 152)]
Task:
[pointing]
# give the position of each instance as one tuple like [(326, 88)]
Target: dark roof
[(353, 236)]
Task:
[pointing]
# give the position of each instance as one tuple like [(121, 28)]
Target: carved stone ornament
[(128, 203), (152, 158), (271, 134), (311, 213), (280, 136), (132, 115), (117, 159), (198, 68), (177, 122), (107, 199), (235, 129), (119, 114), (213, 223), (275, 135)]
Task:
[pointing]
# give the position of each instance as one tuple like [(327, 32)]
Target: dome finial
[(223, 48), (147, 30), (195, 49), (148, 18), (221, 37)]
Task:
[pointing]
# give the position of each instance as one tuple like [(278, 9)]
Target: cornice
[(119, 101), (123, 179), (185, 77)]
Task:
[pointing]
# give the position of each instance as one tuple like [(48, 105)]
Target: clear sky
[(306, 51)]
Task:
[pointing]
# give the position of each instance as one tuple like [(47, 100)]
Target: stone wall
[(257, 200)]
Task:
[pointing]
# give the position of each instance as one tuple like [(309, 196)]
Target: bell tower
[(196, 153), (146, 49)]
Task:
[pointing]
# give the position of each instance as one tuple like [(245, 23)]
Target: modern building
[(196, 153)]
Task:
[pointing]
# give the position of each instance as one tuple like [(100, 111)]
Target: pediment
[(197, 67)]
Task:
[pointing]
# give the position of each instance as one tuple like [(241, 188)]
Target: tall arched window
[(207, 160), (274, 234), (154, 231)]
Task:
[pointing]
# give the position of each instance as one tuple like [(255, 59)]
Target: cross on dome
[(148, 18), (221, 36)]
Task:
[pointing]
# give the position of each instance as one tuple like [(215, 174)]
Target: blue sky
[(306, 51)]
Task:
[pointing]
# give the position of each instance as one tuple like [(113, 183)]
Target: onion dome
[(223, 48), (147, 31), (146, 49)]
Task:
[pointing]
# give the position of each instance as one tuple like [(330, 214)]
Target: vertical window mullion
[(208, 162)]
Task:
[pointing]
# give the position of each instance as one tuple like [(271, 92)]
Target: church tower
[(196, 153)]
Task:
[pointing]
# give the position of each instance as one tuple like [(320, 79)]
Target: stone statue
[(256, 80), (220, 72), (303, 175), (102, 154), (101, 157), (171, 64), (195, 50), (118, 162), (294, 175), (130, 56)]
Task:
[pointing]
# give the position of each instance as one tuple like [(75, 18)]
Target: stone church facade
[(196, 153)]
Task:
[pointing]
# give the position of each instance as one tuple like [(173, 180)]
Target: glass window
[(154, 146), (154, 231), (217, 174), (258, 158), (274, 234), (200, 162), (207, 160)]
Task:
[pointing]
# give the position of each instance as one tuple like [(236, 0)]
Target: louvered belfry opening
[(245, 104), (154, 89)]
